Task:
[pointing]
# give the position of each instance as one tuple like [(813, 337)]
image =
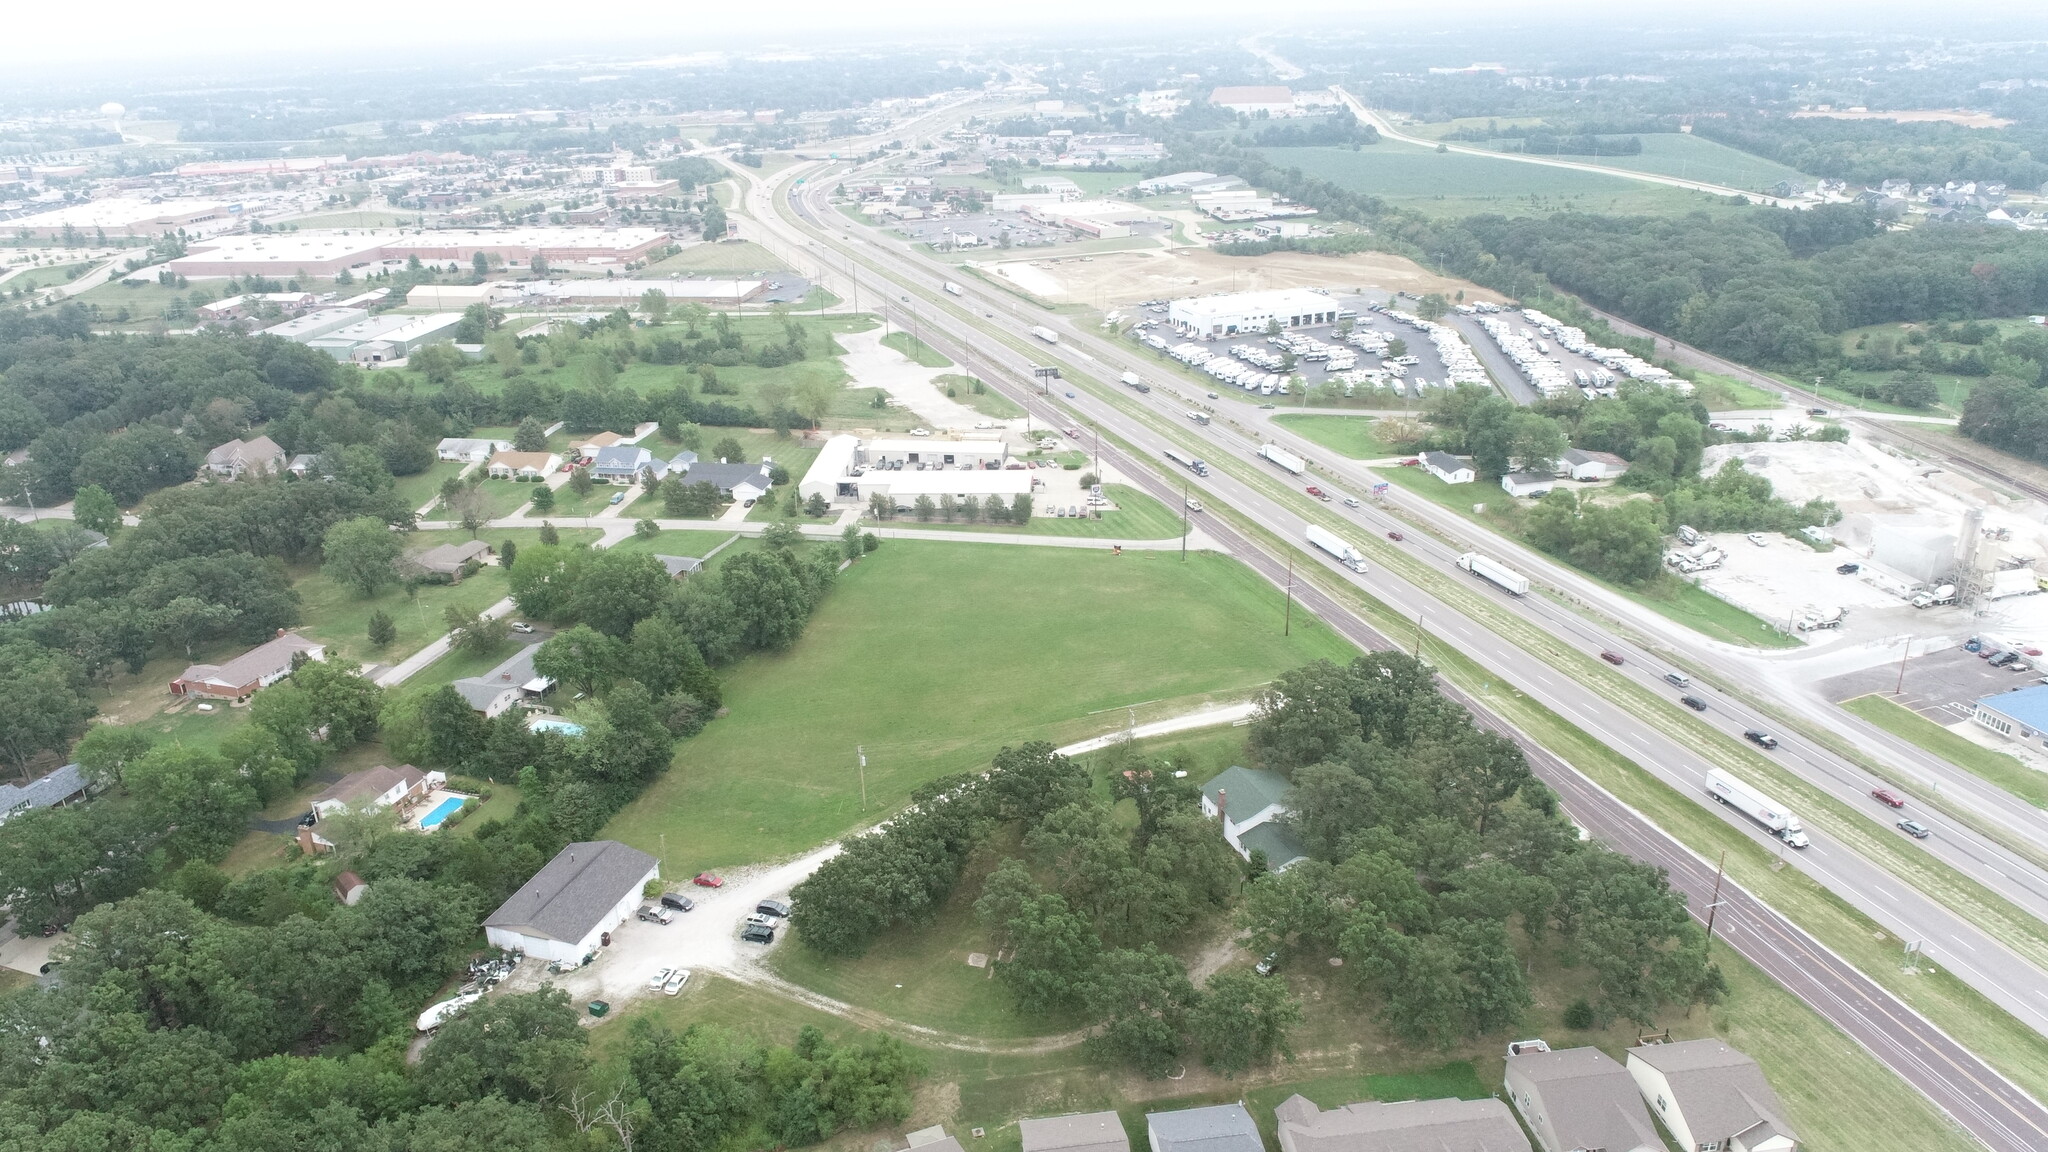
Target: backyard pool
[(446, 808), (556, 724)]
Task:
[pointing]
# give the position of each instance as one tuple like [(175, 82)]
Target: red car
[(708, 880), (1887, 796), (1395, 536), (1611, 657), (569, 467)]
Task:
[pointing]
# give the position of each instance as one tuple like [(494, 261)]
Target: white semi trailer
[(1496, 573), (1774, 816), (1046, 334), (1287, 461), (1338, 547)]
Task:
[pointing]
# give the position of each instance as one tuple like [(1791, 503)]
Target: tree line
[(1872, 151)]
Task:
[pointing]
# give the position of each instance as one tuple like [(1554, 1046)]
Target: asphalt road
[(2000, 1115)]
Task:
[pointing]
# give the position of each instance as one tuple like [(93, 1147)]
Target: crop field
[(1689, 157), (1461, 184)]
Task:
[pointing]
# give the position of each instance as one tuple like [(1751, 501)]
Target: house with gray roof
[(1711, 1096), (736, 481), (1578, 1099), (1249, 803), (470, 450), (626, 463), (1448, 468), (1407, 1126), (587, 890), (681, 567), (510, 683), (259, 667), (1077, 1132), (449, 559), (1219, 1128), (259, 454), (60, 787)]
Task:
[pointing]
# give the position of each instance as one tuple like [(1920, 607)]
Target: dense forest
[(1869, 152)]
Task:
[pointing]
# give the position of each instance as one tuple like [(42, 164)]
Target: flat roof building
[(849, 471), (323, 252), (1254, 98), (315, 324), (1213, 317), (2016, 715), (387, 337), (629, 292), (120, 216)]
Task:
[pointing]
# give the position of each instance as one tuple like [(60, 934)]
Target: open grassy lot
[(46, 275), (917, 350), (987, 402), (1727, 394), (674, 543), (496, 537), (1137, 517), (1349, 435), (340, 616), (1995, 767), (721, 257), (1690, 157), (1461, 184), (417, 489), (934, 656)]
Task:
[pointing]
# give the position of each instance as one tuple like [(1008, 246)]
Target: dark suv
[(1761, 739), (772, 908), (758, 934), (677, 901)]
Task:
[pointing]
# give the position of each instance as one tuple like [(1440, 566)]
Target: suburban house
[(304, 464), (1580, 1098), (680, 567), (259, 667), (349, 888), (1249, 802), (1448, 468), (1527, 483), (449, 559), (736, 481), (2021, 714), (260, 455), (587, 890), (1407, 1126), (1711, 1097), (470, 451), (932, 1139), (624, 464), (509, 683), (374, 788), (1580, 464), (523, 465), (1078, 1132), (681, 461), (589, 448), (1219, 1128), (58, 788)]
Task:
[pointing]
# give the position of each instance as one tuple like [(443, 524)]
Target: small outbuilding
[(1527, 483), (1448, 468), (587, 890), (349, 888), (1580, 464)]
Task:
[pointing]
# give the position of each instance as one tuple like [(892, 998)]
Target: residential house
[(304, 464), (375, 788), (349, 888), (510, 683), (682, 461), (470, 451), (1078, 1132), (1219, 1128), (740, 482), (260, 455), (523, 465), (589, 448), (1711, 1097), (680, 567), (1249, 803), (1407, 1126), (625, 464), (572, 903), (450, 559), (1579, 1099), (259, 667), (1448, 468), (1527, 483), (60, 787), (1580, 464)]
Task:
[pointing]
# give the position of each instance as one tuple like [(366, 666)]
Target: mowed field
[(1678, 154), (1462, 184), (1129, 277), (934, 656), (1350, 435)]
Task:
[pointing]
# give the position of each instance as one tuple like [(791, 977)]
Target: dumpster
[(600, 1007)]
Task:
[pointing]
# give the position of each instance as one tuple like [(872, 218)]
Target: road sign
[(1379, 489)]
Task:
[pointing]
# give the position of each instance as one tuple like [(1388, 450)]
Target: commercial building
[(2021, 714), (388, 337), (1579, 1098), (566, 910), (1190, 182), (627, 293), (639, 190), (1407, 1126), (1711, 1096), (512, 682), (323, 252), (1273, 100), (1078, 1132), (317, 323), (121, 216), (1581, 464), (259, 667), (1527, 483), (452, 297), (1214, 317), (1219, 1128), (1249, 802), (901, 470)]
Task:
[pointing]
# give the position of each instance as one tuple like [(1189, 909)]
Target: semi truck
[(1288, 461), (1775, 817), (1336, 546), (1046, 334), (1130, 380), (1199, 416), (952, 288), (1496, 573), (1187, 462)]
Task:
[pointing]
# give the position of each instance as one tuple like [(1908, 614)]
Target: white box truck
[(1774, 816), (1288, 461), (1495, 572), (1338, 547), (952, 288), (1046, 334)]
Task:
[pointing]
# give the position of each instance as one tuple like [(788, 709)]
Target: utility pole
[(1714, 901), (1287, 629), (1418, 635), (1900, 687), (862, 754)]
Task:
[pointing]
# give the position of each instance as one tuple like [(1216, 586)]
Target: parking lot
[(1427, 366), (987, 228), (1942, 686)]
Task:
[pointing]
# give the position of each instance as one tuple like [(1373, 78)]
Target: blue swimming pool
[(441, 812), (556, 724)]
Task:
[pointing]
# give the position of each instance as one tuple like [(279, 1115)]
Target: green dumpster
[(600, 1007)]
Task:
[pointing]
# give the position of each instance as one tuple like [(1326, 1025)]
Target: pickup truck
[(1318, 493)]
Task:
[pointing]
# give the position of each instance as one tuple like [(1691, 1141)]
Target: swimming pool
[(442, 811), (556, 724)]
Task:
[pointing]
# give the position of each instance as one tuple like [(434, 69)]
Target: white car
[(920, 431), (1757, 538), (675, 983), (521, 627), (1194, 505), (656, 981)]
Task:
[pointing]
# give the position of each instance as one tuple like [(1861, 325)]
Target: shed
[(1078, 1132), (1581, 464), (1218, 1128), (1711, 1096), (1527, 483), (349, 888), (587, 890)]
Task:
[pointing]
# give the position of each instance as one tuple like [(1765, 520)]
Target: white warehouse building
[(847, 471), (1213, 317)]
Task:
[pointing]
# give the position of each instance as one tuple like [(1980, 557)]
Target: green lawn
[(673, 543), (722, 257), (987, 401), (570, 506), (934, 656), (1461, 184), (1995, 767), (1727, 394), (1690, 157), (1349, 435), (416, 490), (923, 354), (1137, 517), (46, 275), (341, 616)]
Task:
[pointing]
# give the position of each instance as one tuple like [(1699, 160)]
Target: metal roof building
[(587, 890)]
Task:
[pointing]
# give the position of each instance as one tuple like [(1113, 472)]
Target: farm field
[(1350, 435), (932, 657), (1456, 184), (1679, 154)]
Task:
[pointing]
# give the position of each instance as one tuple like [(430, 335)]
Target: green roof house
[(1249, 803)]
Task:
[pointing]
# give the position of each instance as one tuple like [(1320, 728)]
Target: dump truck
[(1496, 573)]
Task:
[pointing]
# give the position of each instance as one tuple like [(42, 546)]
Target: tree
[(646, 529), (194, 792), (361, 554), (453, 731), (1141, 998), (530, 436), (106, 751), (769, 602), (662, 656), (543, 499), (654, 302), (728, 451), (1432, 307), (616, 590), (1242, 1021), (43, 705), (343, 702), (94, 508), (580, 656), (382, 629), (473, 632), (580, 481), (1052, 956), (526, 1048)]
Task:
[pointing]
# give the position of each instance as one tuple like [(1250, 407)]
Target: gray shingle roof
[(1585, 1099), (1079, 1132), (1720, 1090), (680, 565), (515, 671), (1220, 1128), (1251, 790), (1443, 460), (725, 477), (263, 660), (566, 899), (1408, 1126), (41, 792), (1281, 846)]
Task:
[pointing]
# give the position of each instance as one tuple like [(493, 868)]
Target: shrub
[(1578, 1015)]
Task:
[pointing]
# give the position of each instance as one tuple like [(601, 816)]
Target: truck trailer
[(1288, 461), (952, 288), (1775, 817), (1188, 462), (1496, 573), (1046, 334), (1338, 547)]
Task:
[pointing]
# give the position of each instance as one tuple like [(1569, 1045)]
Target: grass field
[(988, 402), (734, 256), (341, 617), (1137, 517), (1994, 767), (919, 352), (934, 656), (1690, 157), (1459, 184), (46, 275), (416, 490), (1349, 435), (1727, 394)]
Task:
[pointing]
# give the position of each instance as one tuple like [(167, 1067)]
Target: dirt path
[(751, 972)]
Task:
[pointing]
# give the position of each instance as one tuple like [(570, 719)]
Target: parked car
[(1888, 797), (676, 980), (1614, 658), (617, 498), (756, 934), (569, 467), (2004, 658), (522, 627), (660, 978), (708, 880), (1070, 395), (1761, 739), (772, 908), (1194, 505), (1915, 829), (1268, 964), (655, 914), (760, 921), (677, 901), (1757, 538), (1694, 703), (1848, 569), (920, 431), (1214, 396)]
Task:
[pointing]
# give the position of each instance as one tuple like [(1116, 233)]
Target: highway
[(2001, 1115)]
